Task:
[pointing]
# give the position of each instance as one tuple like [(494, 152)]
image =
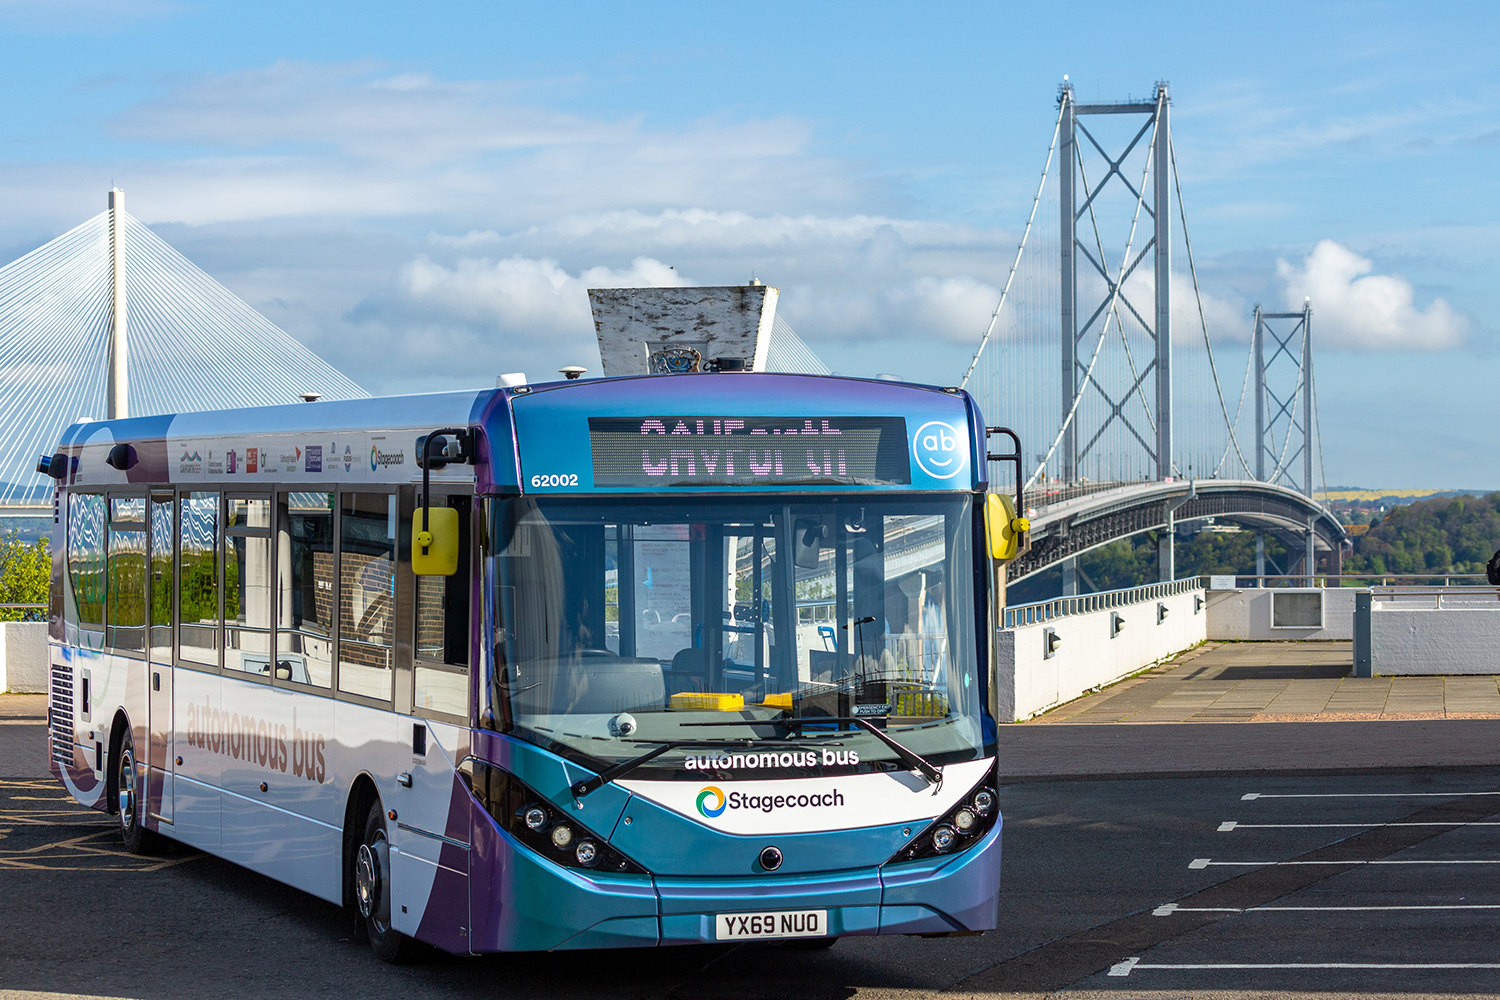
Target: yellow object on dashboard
[(684, 701), (782, 701)]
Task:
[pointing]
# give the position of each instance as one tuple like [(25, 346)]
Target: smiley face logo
[(939, 449), (717, 795)]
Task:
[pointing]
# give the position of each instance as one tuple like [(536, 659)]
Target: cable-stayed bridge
[(108, 320), (1138, 414)]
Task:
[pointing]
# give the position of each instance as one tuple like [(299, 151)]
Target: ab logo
[(711, 792), (940, 449)]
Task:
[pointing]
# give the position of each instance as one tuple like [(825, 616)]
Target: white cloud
[(1355, 308)]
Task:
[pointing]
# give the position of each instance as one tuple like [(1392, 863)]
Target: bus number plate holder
[(771, 924)]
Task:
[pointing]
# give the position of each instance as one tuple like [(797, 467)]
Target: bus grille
[(60, 716)]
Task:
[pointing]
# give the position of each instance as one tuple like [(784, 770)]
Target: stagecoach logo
[(314, 458), (832, 799), (191, 461), (384, 459), (941, 450), (715, 795)]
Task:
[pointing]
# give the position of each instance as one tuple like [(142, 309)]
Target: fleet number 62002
[(553, 480)]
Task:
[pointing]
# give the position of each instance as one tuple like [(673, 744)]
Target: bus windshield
[(621, 623)]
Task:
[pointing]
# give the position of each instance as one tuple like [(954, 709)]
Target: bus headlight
[(538, 824), (960, 828)]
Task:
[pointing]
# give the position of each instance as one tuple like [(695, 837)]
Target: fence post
[(1363, 661)]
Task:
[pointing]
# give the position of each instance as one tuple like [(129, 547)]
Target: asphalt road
[(1090, 869)]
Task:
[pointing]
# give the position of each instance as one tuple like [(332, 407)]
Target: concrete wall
[(1408, 640), (23, 657), (1026, 683), (1246, 614)]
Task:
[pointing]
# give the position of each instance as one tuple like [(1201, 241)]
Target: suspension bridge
[(1139, 415), (1140, 420)]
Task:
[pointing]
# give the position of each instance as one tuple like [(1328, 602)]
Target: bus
[(617, 662)]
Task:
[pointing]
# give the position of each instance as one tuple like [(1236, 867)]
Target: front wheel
[(372, 892)]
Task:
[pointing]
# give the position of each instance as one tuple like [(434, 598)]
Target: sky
[(422, 193)]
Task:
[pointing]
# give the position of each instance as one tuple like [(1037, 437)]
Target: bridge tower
[(117, 381), (1082, 248), (1283, 366)]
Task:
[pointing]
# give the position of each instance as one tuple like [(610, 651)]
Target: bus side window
[(84, 597), (441, 672), (247, 586), (126, 586), (304, 609), (367, 592), (163, 509), (199, 616)]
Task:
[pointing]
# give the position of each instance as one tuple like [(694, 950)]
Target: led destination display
[(749, 451)]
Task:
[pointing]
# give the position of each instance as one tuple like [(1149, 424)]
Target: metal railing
[(1439, 598), (1354, 579), (1062, 607)]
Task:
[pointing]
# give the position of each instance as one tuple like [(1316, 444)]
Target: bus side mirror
[(1003, 528), (434, 552)]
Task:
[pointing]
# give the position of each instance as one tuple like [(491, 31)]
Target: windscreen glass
[(734, 625)]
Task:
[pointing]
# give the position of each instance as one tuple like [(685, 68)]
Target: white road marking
[(1252, 796), (1131, 964), (1200, 863), (1230, 824), (1167, 909)]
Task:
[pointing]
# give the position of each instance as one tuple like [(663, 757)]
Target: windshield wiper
[(913, 760), (623, 768)]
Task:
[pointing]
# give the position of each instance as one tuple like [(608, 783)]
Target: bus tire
[(372, 891), (127, 804)]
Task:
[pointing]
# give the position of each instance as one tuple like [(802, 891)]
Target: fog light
[(536, 818), (984, 801), (965, 820), (586, 852), (562, 836), (943, 838)]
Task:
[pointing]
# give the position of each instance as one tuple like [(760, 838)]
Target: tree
[(25, 576)]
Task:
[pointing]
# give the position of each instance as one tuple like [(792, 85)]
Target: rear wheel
[(372, 892)]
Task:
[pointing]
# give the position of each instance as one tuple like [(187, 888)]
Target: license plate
[(771, 924)]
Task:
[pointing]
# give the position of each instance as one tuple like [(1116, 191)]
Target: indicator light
[(965, 819), (562, 836)]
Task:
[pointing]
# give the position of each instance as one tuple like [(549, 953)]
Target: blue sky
[(420, 192)]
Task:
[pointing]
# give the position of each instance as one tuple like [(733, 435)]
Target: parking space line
[(1130, 965), (1198, 864), (1252, 796), (1231, 824), (1167, 909)]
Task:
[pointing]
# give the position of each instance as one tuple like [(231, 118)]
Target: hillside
[(1441, 535)]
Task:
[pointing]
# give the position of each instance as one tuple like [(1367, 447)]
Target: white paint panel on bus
[(424, 807), (411, 887), (197, 807), (809, 805), (287, 847)]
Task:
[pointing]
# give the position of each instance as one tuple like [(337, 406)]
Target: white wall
[(23, 657), (1026, 683), (1246, 614), (1406, 640)]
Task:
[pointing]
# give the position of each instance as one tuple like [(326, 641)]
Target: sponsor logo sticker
[(252, 460), (384, 459), (314, 458)]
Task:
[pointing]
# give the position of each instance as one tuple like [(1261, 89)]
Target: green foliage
[(25, 576), (1440, 535)]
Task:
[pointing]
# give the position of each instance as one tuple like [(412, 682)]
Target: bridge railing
[(1063, 607), (1421, 580), (1047, 494)]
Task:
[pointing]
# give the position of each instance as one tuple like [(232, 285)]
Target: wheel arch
[(117, 730)]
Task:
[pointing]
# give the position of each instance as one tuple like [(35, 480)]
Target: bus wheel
[(128, 805), (372, 891)]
